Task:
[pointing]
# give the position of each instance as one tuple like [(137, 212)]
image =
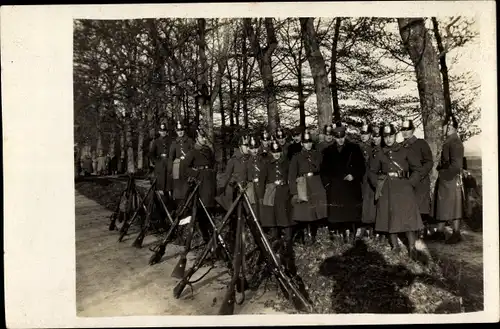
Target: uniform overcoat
[(344, 197), (397, 209), (158, 153), (369, 209), (178, 150), (449, 204), (236, 171), (303, 163), (200, 164), (279, 214), (423, 188)]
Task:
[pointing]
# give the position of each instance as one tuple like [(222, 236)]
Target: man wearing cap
[(176, 155), (449, 206), (424, 153), (199, 165), (328, 133), (275, 209), (369, 210), (295, 146), (368, 149), (342, 172), (236, 172), (158, 153), (395, 171), (306, 188), (265, 138)]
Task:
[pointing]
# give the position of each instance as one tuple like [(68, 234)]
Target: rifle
[(114, 215), (127, 223), (297, 298), (160, 249), (227, 307), (211, 247)]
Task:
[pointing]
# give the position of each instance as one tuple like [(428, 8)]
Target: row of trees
[(226, 74)]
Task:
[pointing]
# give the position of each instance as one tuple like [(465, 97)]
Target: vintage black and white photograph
[(290, 165), (307, 163)]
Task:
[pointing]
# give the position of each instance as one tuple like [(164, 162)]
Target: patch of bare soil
[(114, 279)]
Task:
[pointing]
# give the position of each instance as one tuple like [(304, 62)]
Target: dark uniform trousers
[(200, 165)]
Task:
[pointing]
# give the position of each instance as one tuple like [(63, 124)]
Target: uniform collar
[(396, 146), (411, 140)]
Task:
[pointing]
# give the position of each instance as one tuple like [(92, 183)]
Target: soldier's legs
[(456, 237)]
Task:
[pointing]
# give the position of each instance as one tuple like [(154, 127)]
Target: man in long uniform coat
[(395, 171), (265, 141), (304, 180), (369, 209), (177, 154), (423, 151), (449, 203), (199, 165), (158, 153), (367, 149), (342, 171), (275, 209)]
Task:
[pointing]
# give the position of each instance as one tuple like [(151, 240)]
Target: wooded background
[(256, 73)]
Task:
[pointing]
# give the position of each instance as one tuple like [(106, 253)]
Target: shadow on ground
[(363, 282)]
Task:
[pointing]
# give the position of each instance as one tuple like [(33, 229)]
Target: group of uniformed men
[(377, 187)]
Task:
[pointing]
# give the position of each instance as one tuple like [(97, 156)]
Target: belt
[(201, 168), (255, 180), (279, 182), (397, 174), (181, 158), (163, 155), (310, 174)]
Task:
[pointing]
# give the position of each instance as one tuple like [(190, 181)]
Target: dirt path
[(114, 279)]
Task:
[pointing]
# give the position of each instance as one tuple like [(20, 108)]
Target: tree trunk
[(302, 100), (244, 51), (333, 72), (140, 142), (206, 111), (318, 71), (443, 66), (122, 149), (223, 128), (264, 56), (129, 147), (418, 44)]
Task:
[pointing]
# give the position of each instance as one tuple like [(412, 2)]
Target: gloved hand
[(295, 199)]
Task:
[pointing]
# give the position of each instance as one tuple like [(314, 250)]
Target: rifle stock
[(160, 251), (178, 271), (227, 307), (114, 215)]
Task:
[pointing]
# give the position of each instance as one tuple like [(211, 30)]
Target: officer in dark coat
[(295, 146), (158, 153), (306, 188), (342, 172), (449, 200), (328, 133), (423, 151), (281, 138), (395, 171), (366, 148), (199, 165), (178, 150), (275, 193), (236, 172), (369, 209), (254, 167)]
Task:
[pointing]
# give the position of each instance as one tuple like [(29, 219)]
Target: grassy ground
[(340, 277)]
